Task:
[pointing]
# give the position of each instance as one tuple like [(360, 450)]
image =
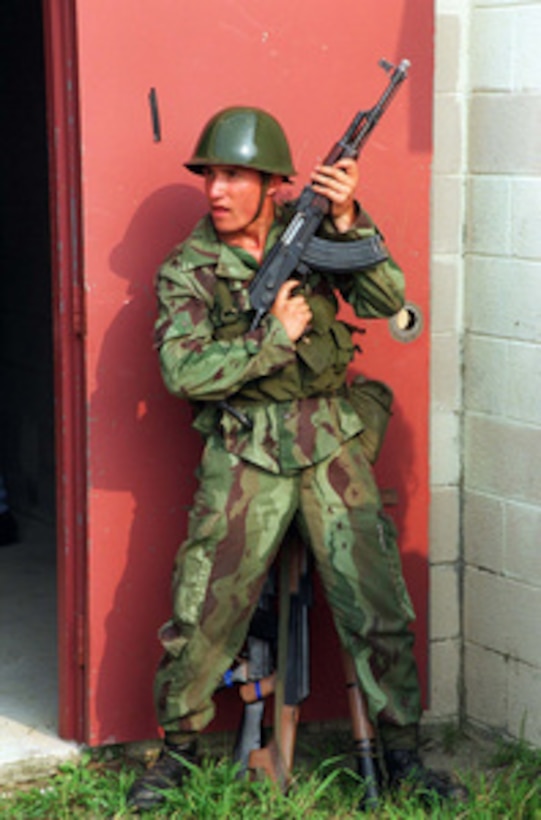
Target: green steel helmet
[(246, 137)]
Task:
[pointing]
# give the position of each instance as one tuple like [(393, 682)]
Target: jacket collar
[(204, 248)]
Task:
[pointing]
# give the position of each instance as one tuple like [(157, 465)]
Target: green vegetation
[(509, 786)]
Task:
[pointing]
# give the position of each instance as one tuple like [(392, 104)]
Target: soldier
[(289, 449)]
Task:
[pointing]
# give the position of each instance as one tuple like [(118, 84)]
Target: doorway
[(28, 638)]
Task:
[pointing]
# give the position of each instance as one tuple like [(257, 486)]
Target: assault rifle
[(290, 682), (298, 249), (256, 674), (364, 738)]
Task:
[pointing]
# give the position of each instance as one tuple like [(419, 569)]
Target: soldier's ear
[(274, 184)]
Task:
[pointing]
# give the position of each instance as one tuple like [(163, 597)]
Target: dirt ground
[(444, 747), (447, 748)]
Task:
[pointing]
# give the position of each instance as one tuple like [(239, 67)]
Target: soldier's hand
[(292, 310), (338, 183)]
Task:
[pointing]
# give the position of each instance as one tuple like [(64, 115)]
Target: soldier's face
[(234, 197)]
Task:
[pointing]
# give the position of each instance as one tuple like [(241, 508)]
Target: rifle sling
[(344, 257)]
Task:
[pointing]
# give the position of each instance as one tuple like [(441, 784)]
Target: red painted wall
[(313, 69)]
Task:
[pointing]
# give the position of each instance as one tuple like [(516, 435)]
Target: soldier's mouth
[(219, 210)]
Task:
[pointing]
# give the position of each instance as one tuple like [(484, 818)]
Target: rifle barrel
[(365, 121)]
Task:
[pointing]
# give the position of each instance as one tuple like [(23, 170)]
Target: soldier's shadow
[(142, 469)]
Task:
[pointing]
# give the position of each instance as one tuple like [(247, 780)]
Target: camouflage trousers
[(240, 516)]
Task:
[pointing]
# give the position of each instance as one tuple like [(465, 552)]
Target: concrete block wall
[(502, 371), (487, 334), (447, 264)]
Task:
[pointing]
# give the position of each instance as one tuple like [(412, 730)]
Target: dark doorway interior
[(27, 568)]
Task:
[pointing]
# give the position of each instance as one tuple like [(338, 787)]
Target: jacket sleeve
[(194, 364), (373, 292)]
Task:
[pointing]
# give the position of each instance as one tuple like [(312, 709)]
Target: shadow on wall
[(142, 447)]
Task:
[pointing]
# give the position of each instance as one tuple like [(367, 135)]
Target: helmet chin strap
[(265, 182)]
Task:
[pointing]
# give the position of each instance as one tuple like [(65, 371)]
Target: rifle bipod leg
[(364, 739)]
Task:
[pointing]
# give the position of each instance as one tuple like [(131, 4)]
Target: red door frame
[(68, 335)]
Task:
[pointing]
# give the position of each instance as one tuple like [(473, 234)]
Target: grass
[(95, 788)]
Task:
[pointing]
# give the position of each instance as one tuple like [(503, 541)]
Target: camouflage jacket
[(292, 393)]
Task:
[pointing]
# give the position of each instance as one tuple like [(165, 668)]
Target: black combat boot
[(166, 773), (405, 768)]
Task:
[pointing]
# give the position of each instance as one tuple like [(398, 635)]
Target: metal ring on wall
[(407, 324)]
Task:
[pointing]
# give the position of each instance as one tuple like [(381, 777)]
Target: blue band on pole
[(258, 694)]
